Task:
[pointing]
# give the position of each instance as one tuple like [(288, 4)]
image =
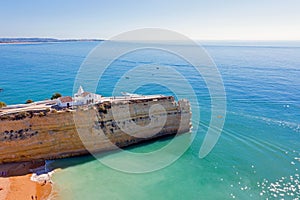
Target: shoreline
[(48, 41), (12, 43), (27, 181)]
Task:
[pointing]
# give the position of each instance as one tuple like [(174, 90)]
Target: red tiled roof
[(85, 94), (65, 99)]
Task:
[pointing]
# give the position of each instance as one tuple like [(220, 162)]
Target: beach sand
[(4, 187), (19, 187)]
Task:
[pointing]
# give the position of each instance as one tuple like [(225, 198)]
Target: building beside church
[(64, 101), (80, 98)]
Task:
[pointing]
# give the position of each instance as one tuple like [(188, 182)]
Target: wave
[(42, 174), (282, 123)]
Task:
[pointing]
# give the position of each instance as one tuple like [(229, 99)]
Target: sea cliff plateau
[(51, 134)]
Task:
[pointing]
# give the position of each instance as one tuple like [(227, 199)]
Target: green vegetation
[(29, 101), (2, 104), (55, 96), (53, 111), (21, 115), (41, 114)]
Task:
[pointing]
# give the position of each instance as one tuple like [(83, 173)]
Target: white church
[(80, 98)]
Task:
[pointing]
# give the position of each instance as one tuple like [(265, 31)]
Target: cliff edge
[(51, 134)]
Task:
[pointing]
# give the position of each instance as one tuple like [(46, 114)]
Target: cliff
[(51, 134)]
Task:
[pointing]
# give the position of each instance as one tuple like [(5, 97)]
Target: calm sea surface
[(256, 157)]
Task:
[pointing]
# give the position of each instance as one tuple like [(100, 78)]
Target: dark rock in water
[(1, 89)]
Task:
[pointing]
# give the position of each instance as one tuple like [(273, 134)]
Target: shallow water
[(256, 157)]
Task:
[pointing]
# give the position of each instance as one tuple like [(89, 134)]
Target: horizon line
[(102, 39)]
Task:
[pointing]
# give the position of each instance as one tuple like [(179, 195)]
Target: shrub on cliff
[(2, 104), (53, 111), (102, 109), (55, 96), (21, 115), (29, 101), (41, 114), (5, 117)]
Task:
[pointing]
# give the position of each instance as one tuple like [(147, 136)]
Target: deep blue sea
[(256, 157)]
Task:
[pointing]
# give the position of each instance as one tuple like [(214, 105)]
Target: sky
[(197, 19)]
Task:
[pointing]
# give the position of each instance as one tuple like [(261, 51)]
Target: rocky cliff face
[(50, 135)]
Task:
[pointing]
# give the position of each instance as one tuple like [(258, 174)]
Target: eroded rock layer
[(51, 134)]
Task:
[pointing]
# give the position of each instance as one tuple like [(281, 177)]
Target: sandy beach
[(20, 186), (4, 187)]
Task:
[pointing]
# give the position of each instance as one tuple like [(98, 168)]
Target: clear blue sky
[(198, 19)]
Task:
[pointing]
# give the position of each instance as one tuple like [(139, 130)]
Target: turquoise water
[(256, 157)]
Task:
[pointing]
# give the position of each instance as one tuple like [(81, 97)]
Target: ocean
[(256, 157)]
